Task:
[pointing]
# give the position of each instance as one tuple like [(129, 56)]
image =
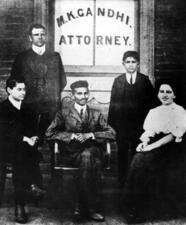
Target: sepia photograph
[(92, 112)]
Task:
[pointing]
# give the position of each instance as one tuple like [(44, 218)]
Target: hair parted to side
[(12, 82), (36, 26), (133, 54)]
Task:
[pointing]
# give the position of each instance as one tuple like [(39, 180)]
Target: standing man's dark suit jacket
[(44, 76)]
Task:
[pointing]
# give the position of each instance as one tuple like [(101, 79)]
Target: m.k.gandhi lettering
[(94, 32)]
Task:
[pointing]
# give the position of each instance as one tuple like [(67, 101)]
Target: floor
[(56, 207)]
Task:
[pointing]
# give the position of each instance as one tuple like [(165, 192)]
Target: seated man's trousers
[(88, 178)]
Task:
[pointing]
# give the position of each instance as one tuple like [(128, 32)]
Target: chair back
[(92, 103)]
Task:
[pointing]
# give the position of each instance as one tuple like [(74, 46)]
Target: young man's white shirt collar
[(16, 104), (79, 108), (39, 50), (128, 76)]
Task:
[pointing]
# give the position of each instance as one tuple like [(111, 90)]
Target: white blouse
[(165, 119)]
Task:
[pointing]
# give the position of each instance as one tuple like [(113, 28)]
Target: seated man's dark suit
[(88, 155), (14, 125)]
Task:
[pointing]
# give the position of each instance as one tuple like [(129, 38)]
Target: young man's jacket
[(130, 103), (14, 124), (68, 121), (44, 76)]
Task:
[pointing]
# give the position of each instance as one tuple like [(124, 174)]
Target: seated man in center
[(84, 131)]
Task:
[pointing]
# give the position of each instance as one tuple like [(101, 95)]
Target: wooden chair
[(57, 156), (58, 163)]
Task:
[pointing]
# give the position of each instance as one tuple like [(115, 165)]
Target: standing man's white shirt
[(39, 50)]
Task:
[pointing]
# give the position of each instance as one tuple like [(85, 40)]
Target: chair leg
[(2, 181)]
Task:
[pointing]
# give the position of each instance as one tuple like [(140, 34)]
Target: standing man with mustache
[(131, 98), (44, 74)]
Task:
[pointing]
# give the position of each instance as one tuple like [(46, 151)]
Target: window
[(92, 35)]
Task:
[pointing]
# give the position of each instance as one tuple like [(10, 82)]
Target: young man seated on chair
[(18, 145), (83, 130)]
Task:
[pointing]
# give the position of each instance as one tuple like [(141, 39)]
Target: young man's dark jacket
[(14, 125), (127, 112)]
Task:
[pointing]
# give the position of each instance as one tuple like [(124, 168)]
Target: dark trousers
[(88, 176), (2, 179), (25, 173), (44, 121), (126, 151)]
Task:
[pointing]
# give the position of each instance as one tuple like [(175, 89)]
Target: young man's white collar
[(39, 50), (128, 76), (16, 104), (79, 108)]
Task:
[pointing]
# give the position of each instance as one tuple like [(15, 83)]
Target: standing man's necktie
[(131, 79)]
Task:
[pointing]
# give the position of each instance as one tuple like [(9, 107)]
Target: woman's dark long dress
[(157, 180)]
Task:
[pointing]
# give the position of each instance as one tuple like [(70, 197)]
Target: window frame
[(44, 13)]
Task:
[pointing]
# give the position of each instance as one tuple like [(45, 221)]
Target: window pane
[(74, 31), (115, 30)]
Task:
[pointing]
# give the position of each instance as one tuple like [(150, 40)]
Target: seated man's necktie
[(81, 113)]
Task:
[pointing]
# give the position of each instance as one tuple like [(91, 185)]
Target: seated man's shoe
[(132, 217), (77, 216), (36, 191), (96, 216), (20, 215), (134, 220)]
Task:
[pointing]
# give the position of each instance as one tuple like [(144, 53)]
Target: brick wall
[(15, 17), (169, 43), (169, 39), (169, 29)]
